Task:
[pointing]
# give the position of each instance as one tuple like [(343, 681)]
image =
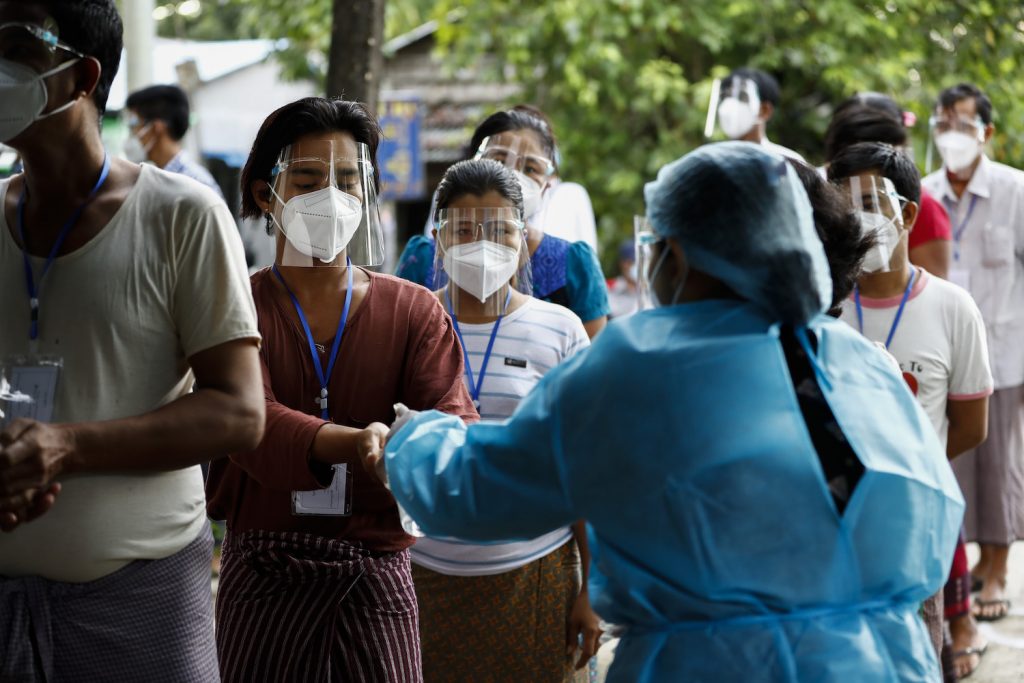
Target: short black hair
[(167, 103), (518, 118), (291, 122), (865, 117), (477, 177), (767, 86), (963, 91), (890, 162), (93, 27), (839, 231)]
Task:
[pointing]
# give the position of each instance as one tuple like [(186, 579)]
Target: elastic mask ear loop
[(42, 77), (682, 285), (143, 131)]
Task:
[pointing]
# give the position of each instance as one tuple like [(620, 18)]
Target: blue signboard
[(399, 156)]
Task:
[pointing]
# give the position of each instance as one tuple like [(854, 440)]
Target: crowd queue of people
[(467, 473)]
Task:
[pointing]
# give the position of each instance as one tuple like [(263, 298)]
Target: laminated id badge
[(35, 377), (333, 501)]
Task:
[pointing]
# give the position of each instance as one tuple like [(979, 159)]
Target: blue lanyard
[(899, 311), (958, 232), (312, 344), (474, 388), (30, 279)]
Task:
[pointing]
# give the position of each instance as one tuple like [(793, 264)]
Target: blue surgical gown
[(715, 541)]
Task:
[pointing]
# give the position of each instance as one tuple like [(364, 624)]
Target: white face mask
[(133, 149), (531, 195), (887, 237), (958, 150), (23, 97), (481, 268), (320, 224), (737, 118)]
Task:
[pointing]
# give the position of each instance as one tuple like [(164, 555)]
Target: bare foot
[(968, 645), (991, 604)]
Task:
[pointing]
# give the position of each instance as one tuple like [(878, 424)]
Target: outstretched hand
[(370, 446)]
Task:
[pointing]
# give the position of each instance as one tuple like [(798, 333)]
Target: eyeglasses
[(534, 167), (945, 124), (492, 230), (48, 37)]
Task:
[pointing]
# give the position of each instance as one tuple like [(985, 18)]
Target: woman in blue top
[(564, 273), (765, 499)]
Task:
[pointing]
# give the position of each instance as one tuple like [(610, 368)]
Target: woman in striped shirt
[(513, 610)]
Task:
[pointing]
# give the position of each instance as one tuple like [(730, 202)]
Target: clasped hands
[(32, 455), (374, 438)]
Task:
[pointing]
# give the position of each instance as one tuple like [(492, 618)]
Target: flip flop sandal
[(976, 584), (989, 603), (969, 652)]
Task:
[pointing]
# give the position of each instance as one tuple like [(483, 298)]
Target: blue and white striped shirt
[(531, 340)]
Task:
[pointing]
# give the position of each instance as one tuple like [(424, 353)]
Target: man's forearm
[(202, 426)]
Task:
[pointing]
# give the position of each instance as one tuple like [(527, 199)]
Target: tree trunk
[(355, 63)]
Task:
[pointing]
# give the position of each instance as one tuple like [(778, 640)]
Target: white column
[(139, 32)]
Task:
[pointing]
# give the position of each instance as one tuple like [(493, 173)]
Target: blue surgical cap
[(741, 215)]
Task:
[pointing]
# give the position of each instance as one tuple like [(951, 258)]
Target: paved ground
[(1004, 661)]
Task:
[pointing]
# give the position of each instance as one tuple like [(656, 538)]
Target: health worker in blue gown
[(766, 501)]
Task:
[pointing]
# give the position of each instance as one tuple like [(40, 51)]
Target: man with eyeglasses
[(121, 287), (985, 201)]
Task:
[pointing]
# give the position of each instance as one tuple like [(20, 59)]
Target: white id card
[(960, 277), (333, 501), (36, 377)]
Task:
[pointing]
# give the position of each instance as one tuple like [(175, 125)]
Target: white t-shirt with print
[(939, 343), (531, 340), (162, 281)]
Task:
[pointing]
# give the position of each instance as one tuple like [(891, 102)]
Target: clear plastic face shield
[(735, 107), (647, 254), (481, 254), (880, 210), (520, 154), (324, 203), (958, 139)]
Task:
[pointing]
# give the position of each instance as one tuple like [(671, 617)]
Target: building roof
[(213, 59)]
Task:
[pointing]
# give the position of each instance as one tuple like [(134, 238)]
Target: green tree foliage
[(305, 26), (627, 82)]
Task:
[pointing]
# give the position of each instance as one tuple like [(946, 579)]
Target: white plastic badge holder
[(37, 377), (333, 501), (8, 396)]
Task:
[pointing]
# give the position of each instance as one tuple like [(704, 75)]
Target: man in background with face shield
[(121, 288), (766, 501), (158, 118), (748, 99), (932, 327), (985, 201)]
